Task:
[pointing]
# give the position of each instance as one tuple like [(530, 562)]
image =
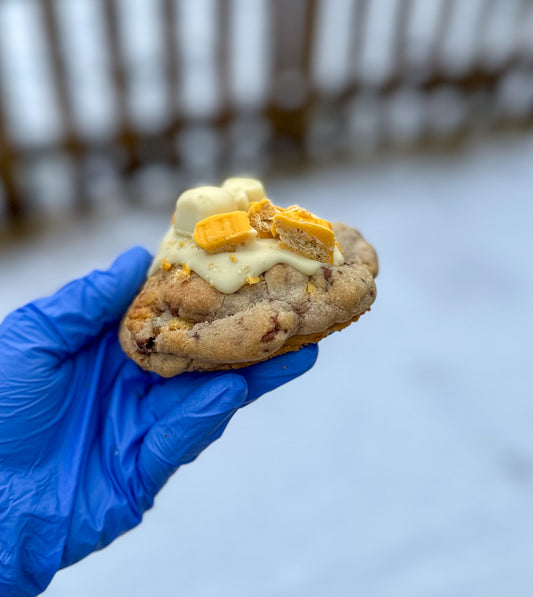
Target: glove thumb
[(63, 323), (193, 424)]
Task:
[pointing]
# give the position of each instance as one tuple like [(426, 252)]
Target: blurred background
[(402, 464)]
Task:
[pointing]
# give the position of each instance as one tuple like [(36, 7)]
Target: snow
[(402, 464)]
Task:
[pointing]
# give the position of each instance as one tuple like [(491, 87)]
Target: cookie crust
[(180, 323)]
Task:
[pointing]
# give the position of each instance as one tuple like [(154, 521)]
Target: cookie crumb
[(179, 324), (165, 265), (252, 279), (233, 257), (261, 214)]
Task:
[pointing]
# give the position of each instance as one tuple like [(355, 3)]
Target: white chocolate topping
[(227, 272)]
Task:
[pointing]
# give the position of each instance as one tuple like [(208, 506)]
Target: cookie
[(207, 308)]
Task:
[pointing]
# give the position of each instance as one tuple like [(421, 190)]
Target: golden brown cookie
[(179, 322)]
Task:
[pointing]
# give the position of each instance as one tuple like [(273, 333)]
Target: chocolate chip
[(145, 345), (271, 334)]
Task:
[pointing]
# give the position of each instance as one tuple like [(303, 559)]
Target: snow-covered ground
[(402, 464)]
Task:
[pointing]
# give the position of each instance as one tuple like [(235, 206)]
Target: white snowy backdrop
[(402, 464)]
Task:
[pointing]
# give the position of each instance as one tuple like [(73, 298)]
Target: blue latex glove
[(87, 438)]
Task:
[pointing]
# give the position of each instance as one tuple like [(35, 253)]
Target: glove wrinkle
[(94, 527), (42, 340), (180, 436), (36, 536)]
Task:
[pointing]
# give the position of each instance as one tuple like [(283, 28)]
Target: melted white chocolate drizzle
[(226, 271)]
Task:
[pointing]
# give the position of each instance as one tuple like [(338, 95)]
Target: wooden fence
[(423, 95)]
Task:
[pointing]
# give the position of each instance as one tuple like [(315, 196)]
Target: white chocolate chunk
[(245, 190), (200, 203)]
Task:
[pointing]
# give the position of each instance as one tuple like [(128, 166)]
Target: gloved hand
[(87, 438)]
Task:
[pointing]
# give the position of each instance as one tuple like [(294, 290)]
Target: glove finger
[(166, 393), (195, 422), (81, 310), (269, 375)]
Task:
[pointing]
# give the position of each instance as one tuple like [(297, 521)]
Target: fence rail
[(416, 88)]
